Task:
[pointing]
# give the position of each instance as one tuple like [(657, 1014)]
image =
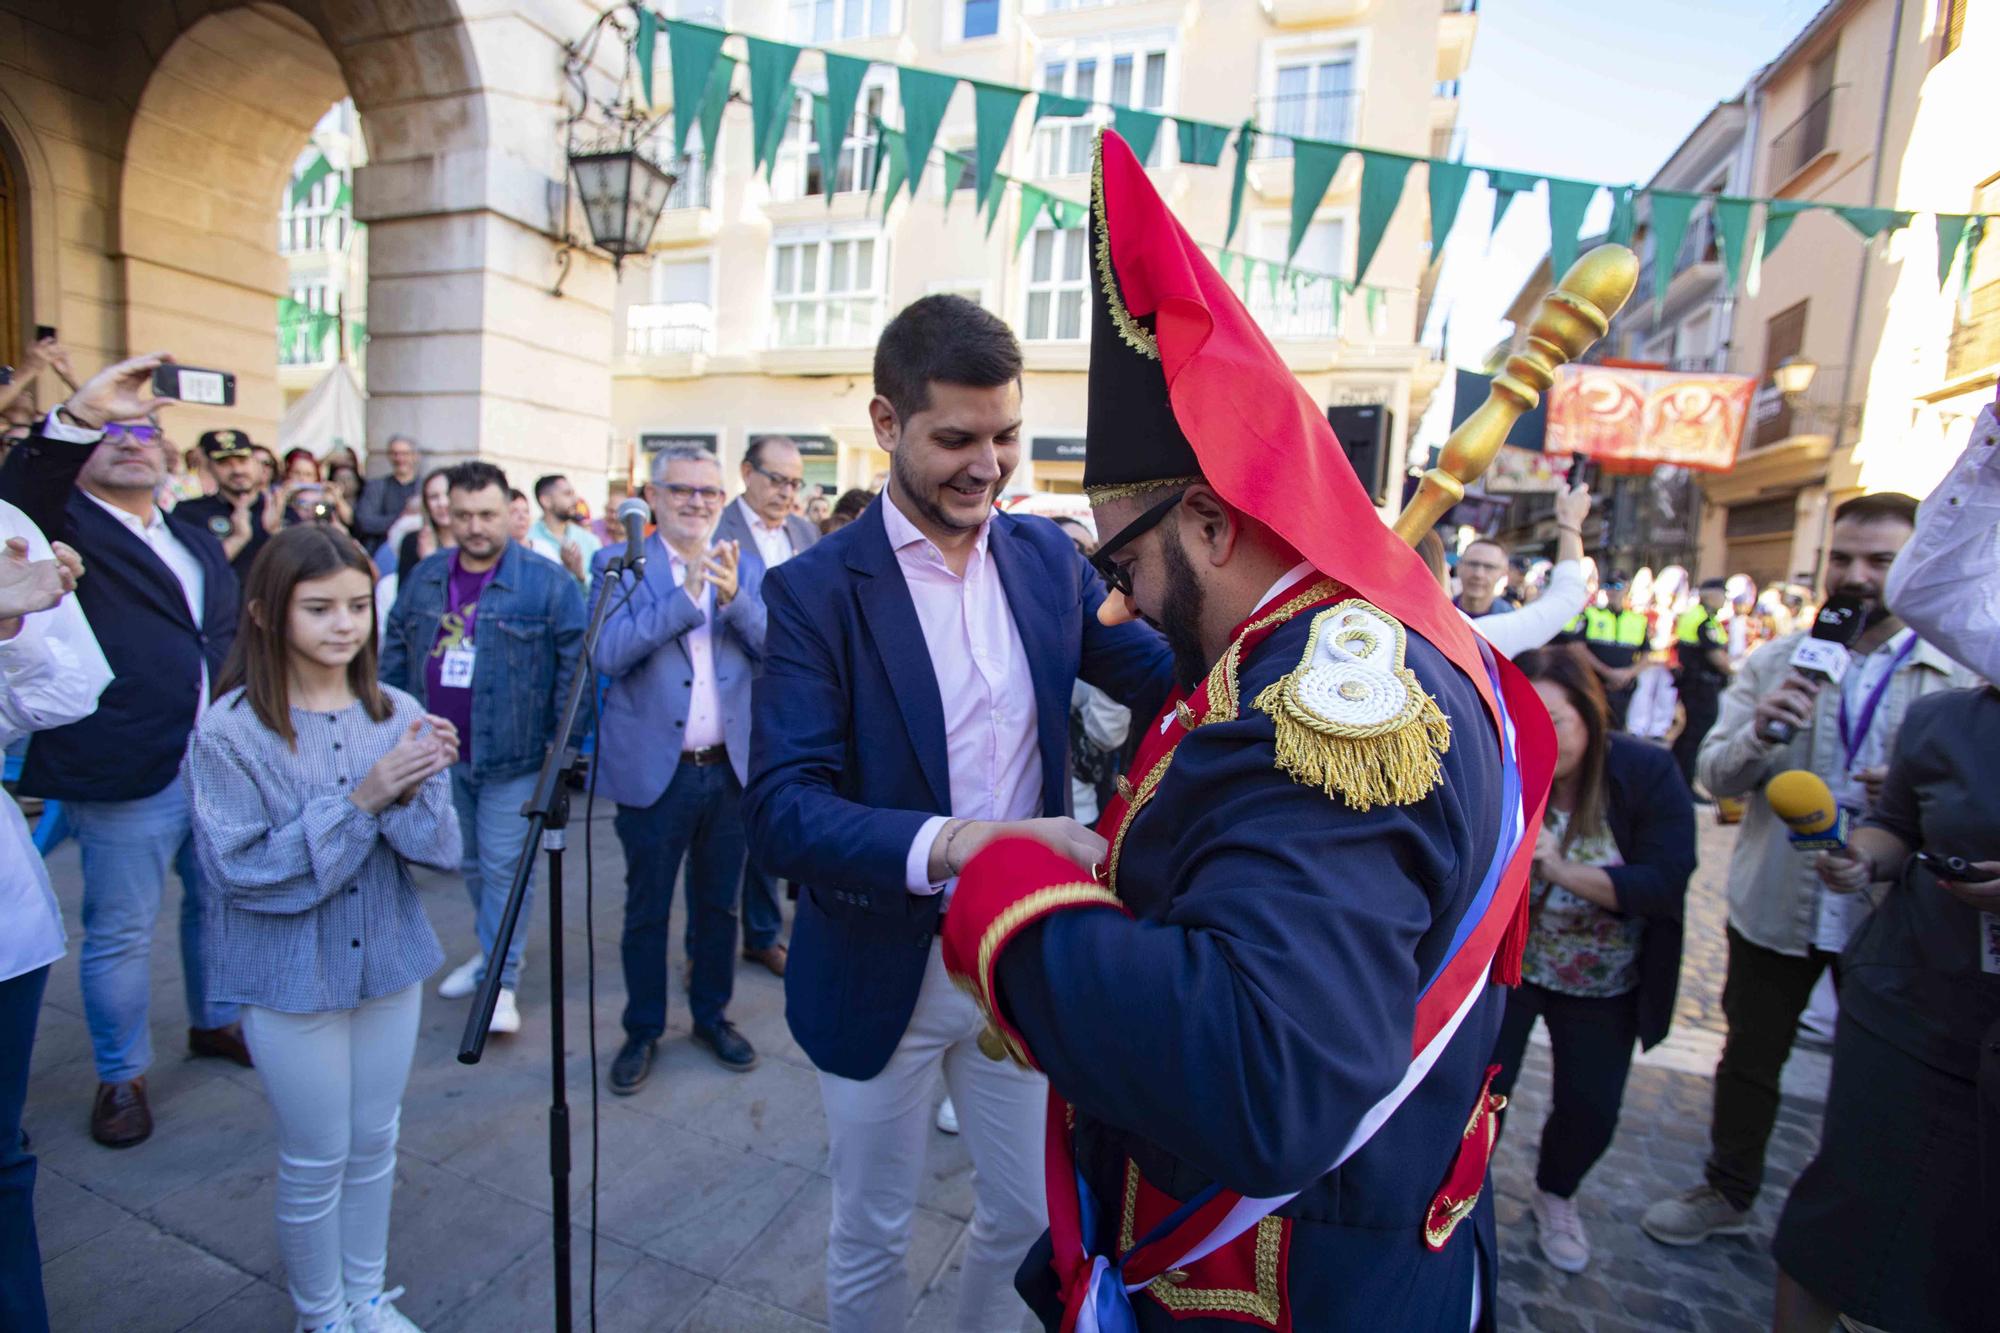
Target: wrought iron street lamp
[(622, 192), (1793, 376)]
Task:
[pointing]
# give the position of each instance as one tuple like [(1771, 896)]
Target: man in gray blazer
[(767, 533), (673, 752)]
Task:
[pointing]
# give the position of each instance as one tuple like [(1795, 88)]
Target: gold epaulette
[(1352, 719)]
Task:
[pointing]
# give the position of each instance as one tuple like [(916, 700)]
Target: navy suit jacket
[(848, 756), (131, 747), (643, 650)]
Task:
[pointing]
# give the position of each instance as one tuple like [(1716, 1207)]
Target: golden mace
[(1569, 319)]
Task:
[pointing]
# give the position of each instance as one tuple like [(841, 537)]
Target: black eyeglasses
[(1118, 576), (778, 481)]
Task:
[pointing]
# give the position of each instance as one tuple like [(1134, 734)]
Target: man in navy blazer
[(914, 704), (163, 600), (766, 533), (680, 645)]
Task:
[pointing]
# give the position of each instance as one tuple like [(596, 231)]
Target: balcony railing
[(673, 328), (1330, 116), (1975, 334), (692, 189), (1698, 246), (1803, 140), (1310, 312)]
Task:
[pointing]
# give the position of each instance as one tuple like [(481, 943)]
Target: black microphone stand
[(547, 812)]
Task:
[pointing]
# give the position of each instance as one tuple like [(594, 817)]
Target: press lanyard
[(1853, 734)]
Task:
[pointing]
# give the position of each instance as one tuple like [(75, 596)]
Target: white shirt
[(704, 719), (1946, 582), (1514, 632), (774, 544), (51, 673), (984, 685)]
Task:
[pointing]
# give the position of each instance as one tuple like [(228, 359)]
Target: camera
[(1945, 867)]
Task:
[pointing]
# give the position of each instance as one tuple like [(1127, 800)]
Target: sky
[(1597, 90)]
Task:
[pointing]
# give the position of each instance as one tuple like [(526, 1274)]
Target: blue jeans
[(699, 818), (490, 823), (127, 847), (763, 919), (21, 1304)]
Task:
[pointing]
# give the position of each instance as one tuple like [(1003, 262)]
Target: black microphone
[(1822, 655), (634, 514)]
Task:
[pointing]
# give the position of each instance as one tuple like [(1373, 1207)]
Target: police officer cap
[(226, 444)]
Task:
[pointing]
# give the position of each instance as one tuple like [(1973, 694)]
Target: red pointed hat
[(1183, 382)]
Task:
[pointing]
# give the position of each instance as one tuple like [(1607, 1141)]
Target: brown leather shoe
[(120, 1116), (772, 956), (224, 1043)]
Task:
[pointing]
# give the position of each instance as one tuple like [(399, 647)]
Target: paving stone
[(136, 1278), (725, 1310), (786, 1266), (259, 1306), (68, 1215)]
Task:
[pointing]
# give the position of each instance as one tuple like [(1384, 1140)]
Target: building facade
[(758, 311), (323, 316)]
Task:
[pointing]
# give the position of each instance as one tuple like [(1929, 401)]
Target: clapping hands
[(428, 748)]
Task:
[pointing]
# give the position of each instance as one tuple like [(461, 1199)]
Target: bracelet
[(951, 837), (1561, 528)]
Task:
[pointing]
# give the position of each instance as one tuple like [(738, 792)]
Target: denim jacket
[(530, 634)]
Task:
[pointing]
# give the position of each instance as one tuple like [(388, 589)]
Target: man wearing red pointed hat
[(1266, 1017)]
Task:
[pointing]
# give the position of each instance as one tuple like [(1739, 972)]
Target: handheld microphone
[(634, 515), (1805, 803), (1822, 655)]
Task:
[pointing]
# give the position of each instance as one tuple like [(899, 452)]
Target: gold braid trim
[(1099, 495), (1265, 1304), (1130, 330), (995, 1042)]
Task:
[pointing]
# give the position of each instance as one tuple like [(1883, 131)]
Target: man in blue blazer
[(914, 704), (766, 533), (680, 645), (163, 600)]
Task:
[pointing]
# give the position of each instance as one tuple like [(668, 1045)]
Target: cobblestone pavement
[(715, 1197)]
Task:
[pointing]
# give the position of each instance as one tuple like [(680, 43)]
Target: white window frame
[(1310, 49), (672, 333), (1704, 320), (1062, 143), (999, 16), (1057, 286), (1316, 312), (798, 151), (801, 20), (823, 238)]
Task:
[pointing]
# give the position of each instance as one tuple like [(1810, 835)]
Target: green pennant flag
[(1140, 129), (993, 202), (1224, 261), (642, 52), (993, 112), (1872, 222), (1371, 302), (714, 101), (316, 171), (771, 65), (1032, 200), (1506, 184), (343, 200), (1447, 189), (1779, 215), (897, 150), (1313, 165), (1732, 234), (844, 75), (954, 172), (1382, 179), (1202, 143), (1974, 234), (1246, 139), (1950, 231), (1670, 212), (1619, 232), (694, 51), (1271, 279), (925, 97), (1066, 213), (1055, 104), (1568, 202)]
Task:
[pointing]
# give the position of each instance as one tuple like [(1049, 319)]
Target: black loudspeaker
[(1364, 432)]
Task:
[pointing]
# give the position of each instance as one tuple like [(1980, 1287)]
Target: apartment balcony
[(1457, 26), (1333, 117), (1052, 20), (670, 339), (1975, 334), (1804, 142), (1307, 13), (1310, 314), (688, 214)]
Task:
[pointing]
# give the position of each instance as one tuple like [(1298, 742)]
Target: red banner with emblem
[(1622, 416)]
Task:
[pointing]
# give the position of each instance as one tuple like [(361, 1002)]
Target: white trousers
[(879, 1131), (335, 1081)]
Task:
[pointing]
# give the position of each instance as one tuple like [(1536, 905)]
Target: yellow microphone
[(1806, 804)]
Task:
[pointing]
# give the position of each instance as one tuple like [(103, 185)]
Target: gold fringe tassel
[(1392, 767)]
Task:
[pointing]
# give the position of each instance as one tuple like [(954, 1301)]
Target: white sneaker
[(947, 1117), (506, 1015), (1560, 1230), (338, 1324), (381, 1315), (462, 980)]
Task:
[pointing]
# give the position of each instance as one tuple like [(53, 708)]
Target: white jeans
[(335, 1081), (879, 1130)]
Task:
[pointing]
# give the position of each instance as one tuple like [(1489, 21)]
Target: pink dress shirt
[(704, 720), (991, 753)]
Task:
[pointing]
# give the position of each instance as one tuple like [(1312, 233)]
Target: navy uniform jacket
[(131, 747), (1263, 999)]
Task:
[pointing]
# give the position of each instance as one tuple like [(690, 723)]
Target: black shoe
[(729, 1046), (634, 1062)]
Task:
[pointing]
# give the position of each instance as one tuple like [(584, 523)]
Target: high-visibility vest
[(1627, 629)]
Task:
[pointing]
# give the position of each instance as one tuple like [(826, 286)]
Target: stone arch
[(40, 287)]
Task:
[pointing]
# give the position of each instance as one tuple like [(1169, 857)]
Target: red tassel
[(1513, 944)]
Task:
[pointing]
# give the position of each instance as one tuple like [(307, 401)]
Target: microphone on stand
[(634, 515), (1821, 656)]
